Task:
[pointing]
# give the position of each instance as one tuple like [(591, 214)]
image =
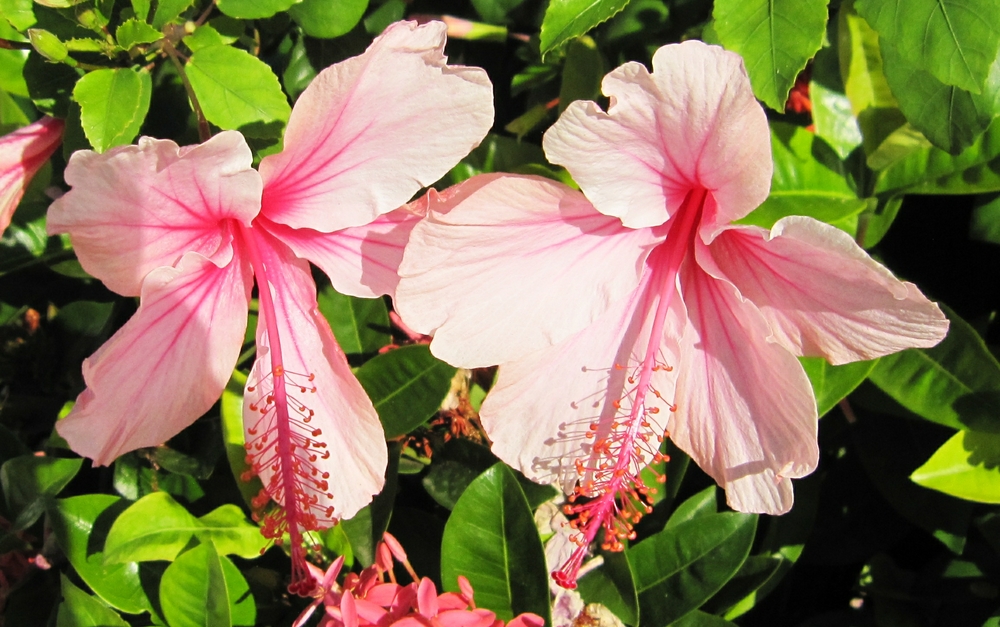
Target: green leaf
[(81, 525), (985, 223), (407, 386), (447, 480), (776, 38), (231, 413), (566, 19), (613, 586), (809, 179), (967, 466), (253, 9), (156, 527), (327, 19), (491, 538), (582, 73), (365, 529), (30, 483), (238, 91), (955, 40), (113, 105), (361, 325), (753, 574), (950, 117), (19, 13), (495, 11), (680, 568), (832, 383), (205, 36), (831, 108), (79, 609), (168, 11), (956, 383), (134, 32), (697, 618), (193, 590), (231, 532), (701, 504)]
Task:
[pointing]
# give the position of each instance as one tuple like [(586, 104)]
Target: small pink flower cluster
[(368, 599)]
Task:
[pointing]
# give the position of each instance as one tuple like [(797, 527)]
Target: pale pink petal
[(135, 208), (427, 600), (22, 154), (169, 363), (561, 391), (360, 260), (508, 264), (745, 410), (822, 295), (372, 130), (354, 454), (692, 123)]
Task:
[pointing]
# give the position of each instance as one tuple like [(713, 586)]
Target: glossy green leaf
[(253, 9), (193, 590), (613, 586), (583, 71), (79, 609), (491, 538), (30, 483), (327, 19), (156, 527), (407, 386), (447, 480), (697, 618), (950, 117), (955, 40), (985, 223), (956, 383), (232, 533), (133, 32), (169, 10), (680, 568), (567, 19), (809, 179), (231, 413), (752, 575), (701, 504), (113, 105), (18, 12), (81, 525), (205, 36), (876, 224), (832, 383), (832, 115), (776, 38), (967, 466), (361, 325), (238, 91)]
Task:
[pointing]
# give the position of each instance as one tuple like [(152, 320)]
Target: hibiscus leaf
[(238, 91), (832, 383), (954, 40), (566, 19), (809, 179), (582, 73), (361, 325), (491, 538), (680, 568), (168, 11), (133, 32), (613, 586), (701, 504), (81, 525), (776, 39), (30, 483), (950, 117), (832, 114), (156, 527), (196, 590), (327, 19), (79, 609), (407, 386), (967, 466), (232, 533), (19, 13), (253, 9), (956, 383), (738, 595), (113, 105)]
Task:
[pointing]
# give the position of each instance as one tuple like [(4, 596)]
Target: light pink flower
[(22, 154), (636, 309), (191, 229), (368, 600)]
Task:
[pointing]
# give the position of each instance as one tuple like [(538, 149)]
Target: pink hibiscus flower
[(636, 310), (191, 229), (22, 154)]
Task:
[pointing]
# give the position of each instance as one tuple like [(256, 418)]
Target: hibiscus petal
[(360, 260), (505, 265), (562, 391), (169, 363), (135, 208), (745, 410), (692, 123), (372, 130), (823, 295), (341, 411), (22, 153)]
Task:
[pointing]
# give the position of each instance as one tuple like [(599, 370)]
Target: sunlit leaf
[(966, 466), (566, 19), (193, 590), (113, 105), (361, 325), (253, 9), (832, 383), (613, 586), (328, 18), (79, 609)]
